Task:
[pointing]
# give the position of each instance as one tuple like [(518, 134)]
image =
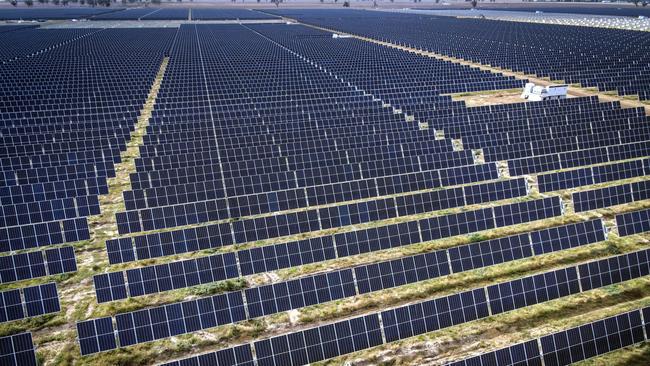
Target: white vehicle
[(537, 93)]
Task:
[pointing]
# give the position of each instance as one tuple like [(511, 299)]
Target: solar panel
[(12, 306), (420, 318), (526, 353), (614, 270), (110, 286), (457, 224), (292, 254), (602, 197), (235, 356), (301, 292), (532, 290), (120, 250), (633, 222), (22, 266), (378, 238), (96, 335), (489, 252), (568, 236), (43, 234), (517, 213), (398, 272), (320, 343), (180, 274), (496, 191), (593, 339), (42, 299), (35, 300), (44, 211), (565, 180), (179, 318), (60, 260), (17, 350)]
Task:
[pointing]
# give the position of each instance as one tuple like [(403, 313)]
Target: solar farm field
[(323, 187)]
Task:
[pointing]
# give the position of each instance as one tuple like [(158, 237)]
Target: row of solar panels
[(395, 324), (43, 234), (578, 158), (611, 196)]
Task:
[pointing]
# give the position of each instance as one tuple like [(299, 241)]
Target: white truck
[(537, 93)]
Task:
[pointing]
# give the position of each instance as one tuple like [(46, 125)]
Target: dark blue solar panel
[(533, 290), (110, 286), (42, 299), (633, 222), (526, 353), (593, 339), (17, 350), (614, 270), (96, 335), (490, 252), (568, 236), (12, 306)]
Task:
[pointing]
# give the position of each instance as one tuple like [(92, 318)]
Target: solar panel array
[(523, 47), (61, 134), (294, 151), (125, 14), (167, 14), (347, 336), (270, 131), (11, 28)]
